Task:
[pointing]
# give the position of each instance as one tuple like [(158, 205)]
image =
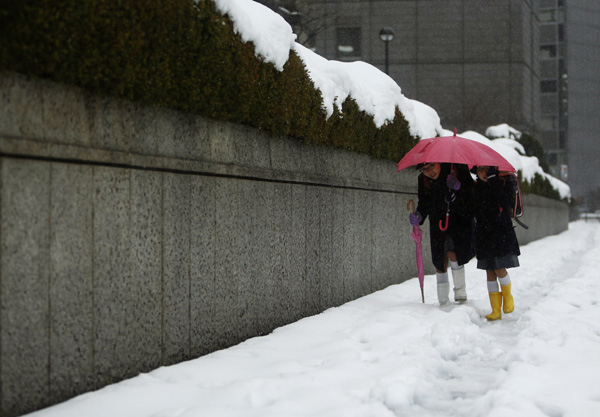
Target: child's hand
[(415, 218), (452, 182)]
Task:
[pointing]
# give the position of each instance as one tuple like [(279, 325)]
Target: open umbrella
[(417, 236), (454, 149)]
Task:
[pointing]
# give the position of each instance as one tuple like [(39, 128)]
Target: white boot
[(443, 287), (460, 288)]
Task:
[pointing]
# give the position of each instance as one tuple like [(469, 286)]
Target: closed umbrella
[(417, 236)]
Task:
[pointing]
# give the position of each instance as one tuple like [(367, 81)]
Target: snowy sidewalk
[(387, 354)]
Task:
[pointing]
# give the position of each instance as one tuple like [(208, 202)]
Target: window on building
[(548, 69), (551, 157), (549, 123), (348, 42), (547, 4), (548, 34), (546, 16), (547, 51), (548, 86), (549, 104)]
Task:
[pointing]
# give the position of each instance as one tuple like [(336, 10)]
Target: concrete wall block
[(176, 267), (231, 143), (71, 284), (65, 116), (254, 251), (345, 166), (314, 252), (141, 123), (24, 285), (21, 104), (191, 135), (296, 279), (265, 313), (350, 248), (332, 292), (292, 155), (166, 143), (543, 216), (280, 211), (113, 298), (363, 215), (253, 149), (106, 124), (202, 265), (146, 286), (323, 159), (181, 135), (384, 240), (227, 268)]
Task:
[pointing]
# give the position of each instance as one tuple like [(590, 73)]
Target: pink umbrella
[(454, 149), (417, 236)]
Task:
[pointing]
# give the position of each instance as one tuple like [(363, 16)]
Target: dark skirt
[(507, 261)]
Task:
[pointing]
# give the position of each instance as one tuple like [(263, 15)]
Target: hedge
[(183, 55)]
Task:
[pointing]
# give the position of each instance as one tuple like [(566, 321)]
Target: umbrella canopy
[(454, 149)]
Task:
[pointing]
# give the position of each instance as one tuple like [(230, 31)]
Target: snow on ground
[(387, 354)]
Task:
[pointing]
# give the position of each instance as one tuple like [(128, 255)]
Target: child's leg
[(492, 281), (443, 287), (505, 285), (495, 295), (458, 277)]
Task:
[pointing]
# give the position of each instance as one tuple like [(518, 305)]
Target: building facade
[(582, 144)]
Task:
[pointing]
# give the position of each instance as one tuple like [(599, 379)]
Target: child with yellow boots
[(497, 247)]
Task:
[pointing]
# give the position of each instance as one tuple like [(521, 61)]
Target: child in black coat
[(445, 194), (497, 247)]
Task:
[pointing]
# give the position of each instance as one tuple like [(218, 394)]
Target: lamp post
[(386, 35)]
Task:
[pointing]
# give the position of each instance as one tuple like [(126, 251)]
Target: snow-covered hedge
[(188, 55)]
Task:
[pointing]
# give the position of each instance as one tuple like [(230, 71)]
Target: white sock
[(505, 280), (493, 286), (454, 265), (442, 277)]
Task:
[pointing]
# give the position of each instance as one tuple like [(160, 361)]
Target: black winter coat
[(495, 236), (432, 204)]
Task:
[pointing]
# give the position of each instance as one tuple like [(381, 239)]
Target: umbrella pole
[(422, 296)]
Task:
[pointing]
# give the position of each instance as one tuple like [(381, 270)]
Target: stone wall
[(135, 237)]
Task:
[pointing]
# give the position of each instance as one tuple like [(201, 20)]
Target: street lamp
[(386, 35)]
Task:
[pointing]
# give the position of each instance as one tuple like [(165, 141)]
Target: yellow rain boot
[(496, 302), (509, 302)]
